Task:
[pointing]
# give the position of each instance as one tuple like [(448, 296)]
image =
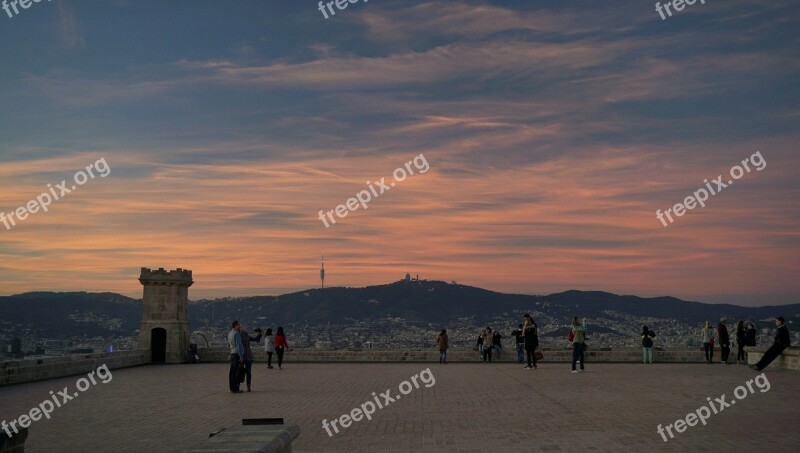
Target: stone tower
[(164, 329)]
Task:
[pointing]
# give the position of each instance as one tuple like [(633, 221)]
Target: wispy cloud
[(553, 132)]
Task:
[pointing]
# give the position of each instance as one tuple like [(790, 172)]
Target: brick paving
[(472, 407)]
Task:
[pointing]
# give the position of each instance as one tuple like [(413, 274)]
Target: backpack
[(647, 342)]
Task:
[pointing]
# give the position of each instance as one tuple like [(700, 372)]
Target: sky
[(551, 131)]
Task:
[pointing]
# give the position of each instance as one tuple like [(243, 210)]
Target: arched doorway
[(158, 345)]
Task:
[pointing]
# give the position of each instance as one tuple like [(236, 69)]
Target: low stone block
[(250, 438)]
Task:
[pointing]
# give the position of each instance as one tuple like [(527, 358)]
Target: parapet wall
[(21, 371), (790, 359), (163, 277), (37, 369), (453, 355)]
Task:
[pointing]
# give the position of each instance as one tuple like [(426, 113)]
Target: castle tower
[(164, 329)]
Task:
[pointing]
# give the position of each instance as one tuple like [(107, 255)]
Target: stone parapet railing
[(36, 369), (790, 359), (631, 355)]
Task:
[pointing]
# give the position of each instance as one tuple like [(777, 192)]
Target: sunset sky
[(554, 131)]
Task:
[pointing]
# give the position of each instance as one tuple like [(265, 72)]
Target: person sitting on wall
[(782, 342)]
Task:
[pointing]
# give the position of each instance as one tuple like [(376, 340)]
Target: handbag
[(538, 354), (241, 373)]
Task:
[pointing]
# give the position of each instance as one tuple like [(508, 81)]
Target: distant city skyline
[(555, 131)]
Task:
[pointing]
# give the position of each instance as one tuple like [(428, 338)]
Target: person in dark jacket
[(488, 339), (724, 342), (479, 344), (708, 341), (647, 344), (248, 353), (531, 336), (741, 339), (750, 335), (782, 342), (519, 342), (497, 342)]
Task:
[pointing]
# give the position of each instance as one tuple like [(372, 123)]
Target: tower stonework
[(164, 329)]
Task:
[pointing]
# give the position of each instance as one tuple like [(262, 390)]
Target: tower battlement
[(182, 277)]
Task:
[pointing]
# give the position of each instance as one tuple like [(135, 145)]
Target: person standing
[(647, 344), (269, 347), (237, 355), (497, 342), (708, 342), (441, 341), (519, 341), (724, 341), (248, 353), (782, 342), (479, 343), (488, 339), (578, 342), (741, 339), (280, 346), (750, 335), (530, 335)]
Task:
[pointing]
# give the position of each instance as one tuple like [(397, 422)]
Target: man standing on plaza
[(237, 356), (782, 341)]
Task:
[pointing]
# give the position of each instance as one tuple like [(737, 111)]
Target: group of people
[(489, 341), (242, 355), (744, 337), (526, 338)]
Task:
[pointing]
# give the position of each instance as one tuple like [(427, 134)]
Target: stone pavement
[(472, 407)]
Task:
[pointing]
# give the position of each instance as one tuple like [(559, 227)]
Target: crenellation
[(161, 277)]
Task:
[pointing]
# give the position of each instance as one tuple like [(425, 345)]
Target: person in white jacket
[(269, 340)]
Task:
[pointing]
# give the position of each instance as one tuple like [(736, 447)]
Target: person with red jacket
[(280, 345)]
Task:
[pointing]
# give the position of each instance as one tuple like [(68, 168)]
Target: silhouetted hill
[(418, 302), (440, 303), (54, 315)]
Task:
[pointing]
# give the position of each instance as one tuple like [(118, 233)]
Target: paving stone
[(472, 407)]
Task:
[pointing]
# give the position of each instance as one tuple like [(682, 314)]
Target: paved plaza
[(471, 407)]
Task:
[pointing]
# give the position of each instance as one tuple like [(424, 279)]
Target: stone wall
[(790, 359), (36, 369), (28, 370), (631, 355)]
